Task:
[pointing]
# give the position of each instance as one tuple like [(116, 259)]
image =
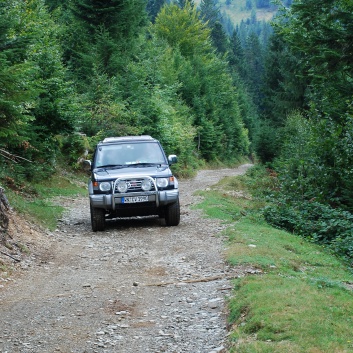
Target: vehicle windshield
[(129, 154)]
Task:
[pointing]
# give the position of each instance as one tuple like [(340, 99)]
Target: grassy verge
[(300, 301), (35, 200)]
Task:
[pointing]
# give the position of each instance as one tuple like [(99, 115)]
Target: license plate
[(134, 199)]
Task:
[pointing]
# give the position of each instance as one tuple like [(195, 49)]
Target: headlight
[(105, 186), (122, 186), (162, 182), (146, 185)]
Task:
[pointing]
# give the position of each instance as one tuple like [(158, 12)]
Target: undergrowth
[(316, 221), (36, 200)]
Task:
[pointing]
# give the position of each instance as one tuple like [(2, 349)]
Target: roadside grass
[(300, 300), (36, 200)]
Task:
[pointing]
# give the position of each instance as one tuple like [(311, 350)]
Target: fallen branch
[(12, 157), (196, 280), (13, 258), (205, 279)]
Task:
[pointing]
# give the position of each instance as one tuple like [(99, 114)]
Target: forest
[(213, 92)]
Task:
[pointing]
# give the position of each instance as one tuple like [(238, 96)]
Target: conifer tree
[(322, 33), (153, 8), (319, 36), (207, 88), (237, 58), (17, 91), (36, 100), (107, 30), (253, 56), (284, 83), (209, 13)]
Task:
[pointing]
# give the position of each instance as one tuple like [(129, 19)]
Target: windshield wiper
[(111, 166)]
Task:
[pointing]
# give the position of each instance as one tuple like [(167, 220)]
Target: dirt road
[(137, 287)]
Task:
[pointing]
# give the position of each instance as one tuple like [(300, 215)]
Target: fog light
[(146, 185), (122, 186)]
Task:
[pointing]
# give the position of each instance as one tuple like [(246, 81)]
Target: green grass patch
[(221, 206), (300, 302), (228, 200), (35, 200)]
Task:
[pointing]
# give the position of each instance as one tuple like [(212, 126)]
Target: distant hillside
[(237, 10)]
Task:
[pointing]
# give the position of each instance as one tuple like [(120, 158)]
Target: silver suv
[(130, 176)]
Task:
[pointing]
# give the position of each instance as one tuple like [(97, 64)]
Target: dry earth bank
[(137, 287)]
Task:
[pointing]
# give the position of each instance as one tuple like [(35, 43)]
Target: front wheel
[(97, 219), (172, 214)]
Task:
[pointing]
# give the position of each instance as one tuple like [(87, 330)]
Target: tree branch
[(12, 157)]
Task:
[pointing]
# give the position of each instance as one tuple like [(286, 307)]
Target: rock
[(218, 350)]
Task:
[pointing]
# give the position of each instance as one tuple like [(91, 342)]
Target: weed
[(23, 248)]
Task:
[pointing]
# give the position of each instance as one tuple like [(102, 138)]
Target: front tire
[(97, 219), (172, 214)]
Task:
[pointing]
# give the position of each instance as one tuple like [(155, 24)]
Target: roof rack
[(127, 138)]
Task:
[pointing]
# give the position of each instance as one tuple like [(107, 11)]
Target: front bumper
[(114, 201)]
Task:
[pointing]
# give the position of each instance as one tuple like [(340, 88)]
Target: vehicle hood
[(137, 171)]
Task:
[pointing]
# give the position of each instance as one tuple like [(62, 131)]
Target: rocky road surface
[(137, 287)]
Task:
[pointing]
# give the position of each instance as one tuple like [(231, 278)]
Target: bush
[(267, 143), (73, 147), (318, 222), (343, 247)]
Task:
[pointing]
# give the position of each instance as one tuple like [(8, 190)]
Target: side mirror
[(87, 165), (172, 159)]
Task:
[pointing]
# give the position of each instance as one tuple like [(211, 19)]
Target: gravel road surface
[(137, 287)]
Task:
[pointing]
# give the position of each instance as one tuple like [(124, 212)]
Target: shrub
[(319, 222), (73, 147), (343, 247)]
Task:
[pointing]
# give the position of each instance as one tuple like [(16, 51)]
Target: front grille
[(134, 185)]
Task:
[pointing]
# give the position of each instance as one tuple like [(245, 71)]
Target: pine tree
[(153, 8), (54, 112), (182, 3), (106, 31), (17, 91), (253, 56), (210, 14), (284, 83), (237, 58), (318, 36), (206, 86), (36, 103), (323, 35)]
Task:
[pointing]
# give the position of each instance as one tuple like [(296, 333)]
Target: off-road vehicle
[(130, 177)]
